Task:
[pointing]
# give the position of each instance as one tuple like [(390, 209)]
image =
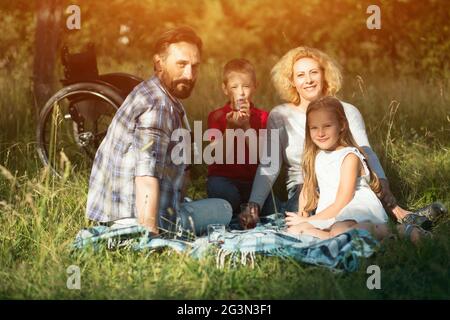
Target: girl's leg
[(306, 228), (321, 234), (341, 227), (381, 231), (336, 229)]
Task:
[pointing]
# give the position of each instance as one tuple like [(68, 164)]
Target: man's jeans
[(197, 215), (192, 216)]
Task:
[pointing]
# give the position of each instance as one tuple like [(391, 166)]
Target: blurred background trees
[(46, 44), (414, 38)]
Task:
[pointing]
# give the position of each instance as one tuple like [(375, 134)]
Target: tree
[(47, 41)]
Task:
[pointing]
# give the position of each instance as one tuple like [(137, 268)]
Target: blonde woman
[(301, 76)]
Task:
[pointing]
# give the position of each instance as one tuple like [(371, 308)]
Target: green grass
[(39, 215)]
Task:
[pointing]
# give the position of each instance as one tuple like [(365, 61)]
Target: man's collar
[(177, 103)]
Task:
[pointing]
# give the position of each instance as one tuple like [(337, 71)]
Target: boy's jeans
[(237, 192)]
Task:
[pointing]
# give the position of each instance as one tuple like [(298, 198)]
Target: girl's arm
[(295, 218), (350, 169)]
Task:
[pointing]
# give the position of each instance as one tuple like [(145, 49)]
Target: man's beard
[(180, 88)]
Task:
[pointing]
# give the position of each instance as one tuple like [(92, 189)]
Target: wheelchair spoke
[(73, 124)]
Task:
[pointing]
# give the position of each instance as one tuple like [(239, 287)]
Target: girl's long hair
[(310, 150)]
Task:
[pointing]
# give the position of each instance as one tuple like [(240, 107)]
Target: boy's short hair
[(239, 65)]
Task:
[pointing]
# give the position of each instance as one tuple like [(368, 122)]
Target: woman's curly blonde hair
[(282, 73)]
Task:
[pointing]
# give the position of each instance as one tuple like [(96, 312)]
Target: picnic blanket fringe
[(232, 258), (240, 247)]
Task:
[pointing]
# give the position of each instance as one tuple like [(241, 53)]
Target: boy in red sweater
[(233, 182)]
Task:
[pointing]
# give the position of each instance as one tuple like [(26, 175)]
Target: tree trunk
[(47, 38)]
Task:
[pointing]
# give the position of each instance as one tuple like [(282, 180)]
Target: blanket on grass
[(341, 253)]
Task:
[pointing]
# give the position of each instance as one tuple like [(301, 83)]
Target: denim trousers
[(291, 204), (192, 217), (237, 192), (195, 216)]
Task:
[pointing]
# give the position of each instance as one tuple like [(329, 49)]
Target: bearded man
[(133, 177)]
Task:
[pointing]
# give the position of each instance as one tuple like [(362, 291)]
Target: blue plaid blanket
[(341, 253)]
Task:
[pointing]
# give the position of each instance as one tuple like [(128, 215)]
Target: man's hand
[(294, 218), (249, 217)]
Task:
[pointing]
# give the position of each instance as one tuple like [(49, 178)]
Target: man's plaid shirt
[(138, 143)]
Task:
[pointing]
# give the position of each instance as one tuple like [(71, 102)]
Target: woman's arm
[(270, 165), (358, 130), (266, 174), (350, 169)]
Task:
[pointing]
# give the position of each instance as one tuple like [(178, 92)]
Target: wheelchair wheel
[(72, 125)]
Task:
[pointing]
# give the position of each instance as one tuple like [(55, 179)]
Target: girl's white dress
[(365, 205)]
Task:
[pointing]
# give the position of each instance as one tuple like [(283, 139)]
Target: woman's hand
[(250, 216), (294, 218), (387, 198)]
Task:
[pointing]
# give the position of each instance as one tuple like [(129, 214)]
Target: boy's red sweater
[(243, 172)]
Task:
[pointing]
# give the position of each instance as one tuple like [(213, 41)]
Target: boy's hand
[(294, 218), (239, 118)]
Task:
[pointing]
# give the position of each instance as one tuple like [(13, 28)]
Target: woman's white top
[(365, 205)]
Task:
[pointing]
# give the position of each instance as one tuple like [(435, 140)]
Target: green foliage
[(404, 65), (40, 216), (413, 39)]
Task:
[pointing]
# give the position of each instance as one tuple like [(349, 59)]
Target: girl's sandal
[(417, 220), (432, 212), (423, 233)]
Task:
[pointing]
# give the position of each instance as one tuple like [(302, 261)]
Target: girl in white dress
[(339, 184)]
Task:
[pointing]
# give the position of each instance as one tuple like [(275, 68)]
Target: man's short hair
[(239, 65), (179, 34)]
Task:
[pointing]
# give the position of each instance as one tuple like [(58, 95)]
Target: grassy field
[(408, 121)]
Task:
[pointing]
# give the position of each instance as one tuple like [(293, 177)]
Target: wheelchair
[(74, 121)]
